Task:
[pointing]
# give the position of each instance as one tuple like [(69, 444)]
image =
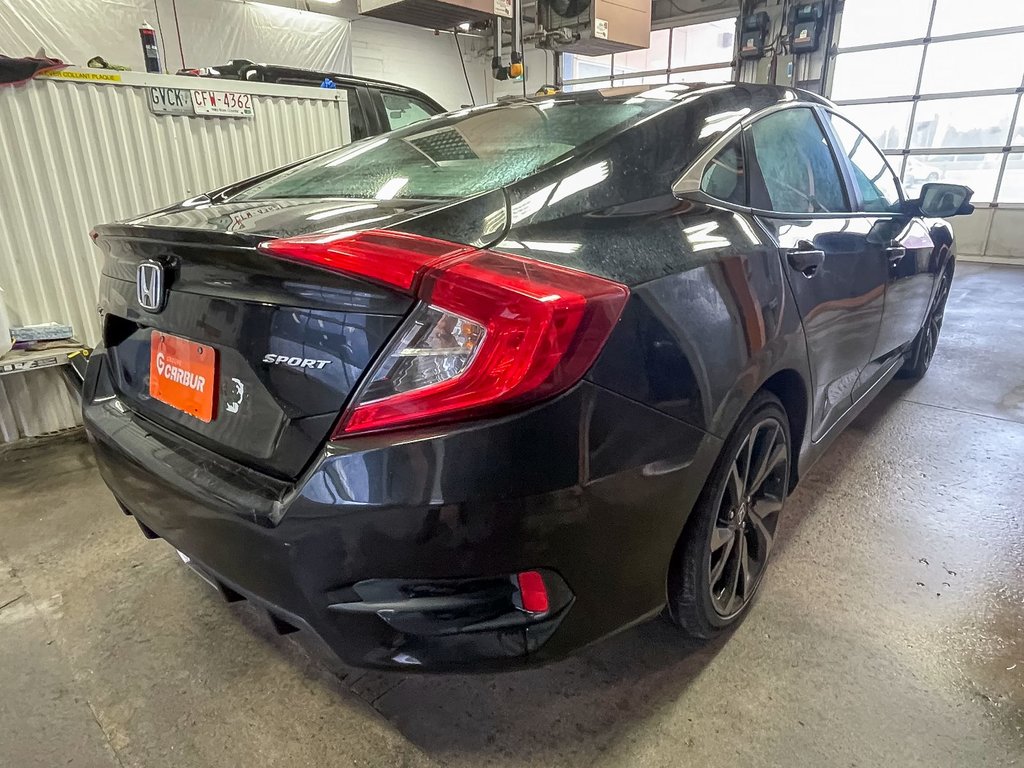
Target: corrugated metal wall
[(35, 403), (79, 153)]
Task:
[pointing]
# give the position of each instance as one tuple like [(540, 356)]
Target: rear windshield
[(455, 155)]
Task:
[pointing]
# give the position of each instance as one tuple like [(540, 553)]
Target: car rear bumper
[(401, 552)]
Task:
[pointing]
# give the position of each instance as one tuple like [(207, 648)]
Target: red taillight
[(493, 330), (532, 592), (392, 258)]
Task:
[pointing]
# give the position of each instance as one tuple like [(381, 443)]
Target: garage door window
[(937, 84), (687, 54)]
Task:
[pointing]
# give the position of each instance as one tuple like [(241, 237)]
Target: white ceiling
[(662, 9), (346, 9)]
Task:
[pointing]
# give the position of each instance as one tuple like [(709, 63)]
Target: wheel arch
[(791, 386), (944, 256), (948, 263), (783, 386), (788, 385)]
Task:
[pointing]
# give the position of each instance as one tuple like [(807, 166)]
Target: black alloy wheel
[(748, 516), (933, 325), (724, 551), (928, 337)]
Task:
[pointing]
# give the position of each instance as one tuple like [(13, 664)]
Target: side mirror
[(937, 201)]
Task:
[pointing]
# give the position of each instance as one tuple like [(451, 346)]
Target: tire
[(923, 349), (708, 590), (933, 176)]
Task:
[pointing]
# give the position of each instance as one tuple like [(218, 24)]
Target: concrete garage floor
[(890, 631)]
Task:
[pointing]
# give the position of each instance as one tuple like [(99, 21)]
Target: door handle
[(894, 253), (806, 260)]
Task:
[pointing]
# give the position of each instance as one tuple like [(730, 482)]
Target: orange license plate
[(182, 374)]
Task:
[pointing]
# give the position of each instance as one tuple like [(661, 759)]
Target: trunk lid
[(290, 341)]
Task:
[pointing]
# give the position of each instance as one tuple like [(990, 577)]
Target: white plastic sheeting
[(260, 33), (81, 153), (211, 32)]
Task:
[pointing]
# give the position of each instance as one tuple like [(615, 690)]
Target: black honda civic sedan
[(481, 391)]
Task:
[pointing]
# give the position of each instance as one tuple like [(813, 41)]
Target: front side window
[(404, 110), (796, 165), (724, 177), (879, 190)]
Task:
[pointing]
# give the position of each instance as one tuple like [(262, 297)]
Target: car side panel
[(697, 342), (713, 322), (840, 304), (911, 280)]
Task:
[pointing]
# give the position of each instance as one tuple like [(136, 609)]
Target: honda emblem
[(149, 286)]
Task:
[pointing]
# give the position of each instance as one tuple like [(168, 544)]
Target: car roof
[(274, 73), (762, 94)]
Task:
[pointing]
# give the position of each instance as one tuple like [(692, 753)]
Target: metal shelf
[(44, 355)]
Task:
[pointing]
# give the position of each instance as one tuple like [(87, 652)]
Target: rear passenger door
[(799, 193)]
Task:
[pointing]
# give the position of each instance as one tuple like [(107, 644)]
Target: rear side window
[(796, 164), (458, 154), (724, 177), (879, 190), (404, 110)]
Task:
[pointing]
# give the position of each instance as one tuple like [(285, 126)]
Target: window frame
[(741, 141), (688, 185), (362, 101), (842, 171), (853, 188)]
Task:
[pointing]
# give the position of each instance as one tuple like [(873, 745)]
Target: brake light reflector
[(532, 592), (435, 346), (493, 331)]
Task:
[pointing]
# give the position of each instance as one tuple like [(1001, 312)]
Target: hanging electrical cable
[(778, 46), (517, 66), (465, 72), (160, 31), (177, 29)]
